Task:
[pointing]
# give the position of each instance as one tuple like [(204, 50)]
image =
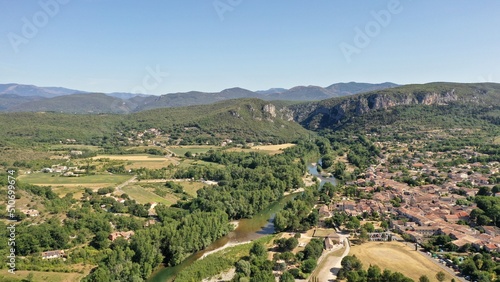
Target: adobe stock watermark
[(363, 36), (224, 6), (31, 26), (151, 81), (11, 213)]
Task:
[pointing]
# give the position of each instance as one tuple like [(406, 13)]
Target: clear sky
[(166, 46)]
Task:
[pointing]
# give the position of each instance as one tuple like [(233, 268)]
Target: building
[(31, 212), (53, 254), (125, 235), (328, 244)]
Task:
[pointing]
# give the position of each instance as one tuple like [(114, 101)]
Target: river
[(249, 229)]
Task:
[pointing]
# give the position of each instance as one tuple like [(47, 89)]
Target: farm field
[(268, 149), (191, 162), (397, 256), (140, 160), (181, 150), (143, 195), (41, 276), (56, 180), (273, 149), (190, 187), (74, 147)]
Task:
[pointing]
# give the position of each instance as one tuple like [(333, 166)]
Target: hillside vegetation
[(244, 119), (336, 112)]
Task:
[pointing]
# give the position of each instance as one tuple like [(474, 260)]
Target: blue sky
[(171, 46)]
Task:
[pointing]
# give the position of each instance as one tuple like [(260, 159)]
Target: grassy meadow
[(143, 194)]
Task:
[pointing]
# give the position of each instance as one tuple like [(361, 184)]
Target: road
[(119, 187), (331, 267)]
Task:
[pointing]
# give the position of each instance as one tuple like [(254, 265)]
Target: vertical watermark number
[(11, 209)]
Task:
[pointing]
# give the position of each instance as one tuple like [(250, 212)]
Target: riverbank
[(228, 245), (225, 276), (235, 224), (300, 190), (219, 262)]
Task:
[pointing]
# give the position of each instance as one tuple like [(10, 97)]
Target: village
[(420, 211)]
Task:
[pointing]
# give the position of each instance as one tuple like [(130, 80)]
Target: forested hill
[(244, 120), (336, 112), (250, 119)]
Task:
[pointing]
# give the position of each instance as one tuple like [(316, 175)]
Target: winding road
[(332, 265)]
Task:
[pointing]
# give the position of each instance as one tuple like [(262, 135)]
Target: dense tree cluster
[(352, 270), (248, 183), (297, 215), (488, 210)]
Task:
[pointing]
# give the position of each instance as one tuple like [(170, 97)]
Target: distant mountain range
[(445, 106), (30, 98)]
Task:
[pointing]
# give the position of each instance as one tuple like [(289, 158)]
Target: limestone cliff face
[(272, 112), (270, 109), (314, 115)]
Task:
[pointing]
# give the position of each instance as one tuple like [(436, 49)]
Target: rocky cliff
[(333, 111)]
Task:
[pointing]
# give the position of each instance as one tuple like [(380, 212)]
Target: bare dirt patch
[(397, 256)]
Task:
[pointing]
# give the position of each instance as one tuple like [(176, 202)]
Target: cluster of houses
[(61, 254), (71, 171), (426, 210)]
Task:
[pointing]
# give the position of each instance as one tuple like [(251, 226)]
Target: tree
[(291, 243), (287, 277), (243, 266), (424, 278), (350, 263), (353, 223), (440, 276), (369, 227), (384, 225), (363, 235), (374, 273), (308, 265), (101, 240), (258, 250)]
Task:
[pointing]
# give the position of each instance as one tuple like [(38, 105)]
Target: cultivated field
[(181, 150), (397, 256), (190, 187), (273, 149), (74, 147), (46, 179), (144, 195), (268, 149), (140, 160)]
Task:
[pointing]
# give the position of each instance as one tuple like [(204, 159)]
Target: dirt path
[(119, 187)]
